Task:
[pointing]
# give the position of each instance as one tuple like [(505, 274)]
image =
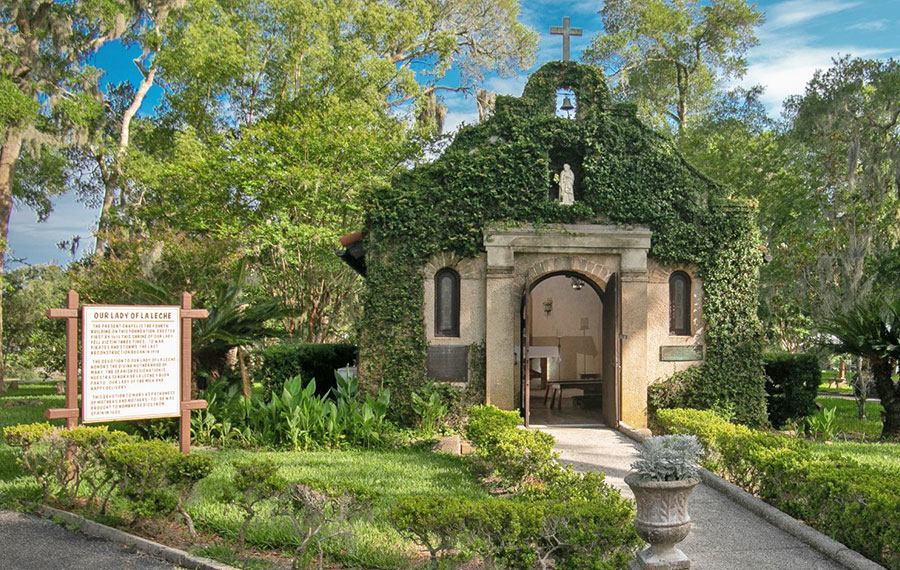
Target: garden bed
[(388, 507)]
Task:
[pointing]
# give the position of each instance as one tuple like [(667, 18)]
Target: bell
[(567, 104)]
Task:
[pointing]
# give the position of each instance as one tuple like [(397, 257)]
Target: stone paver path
[(725, 536), (28, 542)]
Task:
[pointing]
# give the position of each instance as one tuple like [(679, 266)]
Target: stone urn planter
[(662, 520), (665, 474)]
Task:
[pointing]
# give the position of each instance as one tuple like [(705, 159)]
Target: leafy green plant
[(298, 418), (668, 458), (429, 407), (822, 423)]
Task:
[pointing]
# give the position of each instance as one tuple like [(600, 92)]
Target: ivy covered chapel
[(560, 265)]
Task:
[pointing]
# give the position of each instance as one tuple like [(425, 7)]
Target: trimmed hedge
[(855, 504), (792, 383), (554, 516), (281, 362)]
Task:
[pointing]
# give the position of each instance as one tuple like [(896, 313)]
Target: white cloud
[(507, 85), (870, 26), (455, 119), (793, 12), (785, 67)]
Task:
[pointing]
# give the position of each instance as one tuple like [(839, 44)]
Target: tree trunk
[(115, 181), (889, 393), (245, 379), (9, 153)]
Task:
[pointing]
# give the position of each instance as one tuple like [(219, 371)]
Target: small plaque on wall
[(681, 353), (448, 363)]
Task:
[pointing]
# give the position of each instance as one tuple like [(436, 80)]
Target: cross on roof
[(565, 31)]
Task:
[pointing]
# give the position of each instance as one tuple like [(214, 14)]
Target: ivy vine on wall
[(501, 170)]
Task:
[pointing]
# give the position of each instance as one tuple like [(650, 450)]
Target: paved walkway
[(28, 542), (725, 536)]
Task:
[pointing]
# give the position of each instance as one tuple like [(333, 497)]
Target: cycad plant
[(234, 321), (871, 329)]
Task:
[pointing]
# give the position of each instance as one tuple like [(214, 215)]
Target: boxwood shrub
[(281, 362), (792, 383), (855, 504)]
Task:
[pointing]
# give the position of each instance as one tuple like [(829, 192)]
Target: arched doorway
[(570, 336)]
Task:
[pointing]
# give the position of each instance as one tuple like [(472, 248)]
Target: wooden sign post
[(136, 363)]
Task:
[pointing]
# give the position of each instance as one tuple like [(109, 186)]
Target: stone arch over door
[(603, 254)]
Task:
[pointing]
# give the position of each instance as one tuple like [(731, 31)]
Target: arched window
[(446, 303), (680, 304)]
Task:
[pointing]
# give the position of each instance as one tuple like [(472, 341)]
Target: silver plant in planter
[(665, 474)]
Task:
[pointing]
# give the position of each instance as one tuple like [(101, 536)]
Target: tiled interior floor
[(566, 414)]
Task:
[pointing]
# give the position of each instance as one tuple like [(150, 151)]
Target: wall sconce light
[(577, 283), (548, 306)]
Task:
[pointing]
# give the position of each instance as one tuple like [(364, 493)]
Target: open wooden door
[(524, 360), (612, 344)]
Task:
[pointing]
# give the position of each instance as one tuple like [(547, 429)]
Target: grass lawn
[(884, 456), (847, 421), (381, 476)]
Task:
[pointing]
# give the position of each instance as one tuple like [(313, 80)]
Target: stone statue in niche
[(566, 186)]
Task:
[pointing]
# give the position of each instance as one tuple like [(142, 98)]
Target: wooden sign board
[(136, 363), (131, 362), (681, 353)]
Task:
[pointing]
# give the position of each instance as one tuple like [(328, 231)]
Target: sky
[(797, 38)]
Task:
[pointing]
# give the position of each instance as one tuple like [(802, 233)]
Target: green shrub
[(143, 469), (520, 532), (485, 423), (254, 482), (184, 473), (316, 515), (792, 384), (67, 462), (281, 362), (677, 391), (856, 504), (513, 454), (439, 524)]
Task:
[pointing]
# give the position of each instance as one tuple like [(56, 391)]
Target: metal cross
[(565, 31)]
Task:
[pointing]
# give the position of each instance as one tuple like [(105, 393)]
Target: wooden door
[(612, 344), (525, 361)]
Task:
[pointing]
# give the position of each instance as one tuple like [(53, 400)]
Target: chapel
[(558, 258)]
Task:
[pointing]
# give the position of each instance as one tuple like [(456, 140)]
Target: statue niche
[(566, 178)]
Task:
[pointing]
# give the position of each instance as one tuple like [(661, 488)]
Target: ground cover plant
[(849, 491)]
